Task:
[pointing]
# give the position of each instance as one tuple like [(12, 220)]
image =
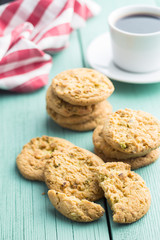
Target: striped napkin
[(31, 28)]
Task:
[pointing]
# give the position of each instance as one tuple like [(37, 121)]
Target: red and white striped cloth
[(30, 27)]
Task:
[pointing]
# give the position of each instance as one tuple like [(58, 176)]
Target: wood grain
[(26, 214)]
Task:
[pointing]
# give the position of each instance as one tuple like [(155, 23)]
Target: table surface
[(26, 214)]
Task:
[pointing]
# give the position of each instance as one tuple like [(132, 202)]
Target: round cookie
[(86, 126), (132, 131), (33, 157), (126, 193), (102, 146), (68, 171), (64, 108), (74, 208), (134, 162), (82, 86), (99, 108)]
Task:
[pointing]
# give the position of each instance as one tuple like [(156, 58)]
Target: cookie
[(102, 146), (68, 171), (64, 108), (32, 159), (86, 126), (134, 162), (82, 86), (116, 166), (99, 108), (126, 193), (74, 208), (132, 131)]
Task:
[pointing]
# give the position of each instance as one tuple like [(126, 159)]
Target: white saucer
[(99, 57)]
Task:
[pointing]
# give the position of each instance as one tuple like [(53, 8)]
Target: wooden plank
[(26, 214), (95, 27), (144, 97)]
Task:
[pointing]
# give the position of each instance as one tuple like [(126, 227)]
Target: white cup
[(135, 52)]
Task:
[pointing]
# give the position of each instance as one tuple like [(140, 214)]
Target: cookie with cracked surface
[(32, 159), (75, 119), (109, 152), (135, 163), (82, 86), (126, 193), (64, 108), (132, 131), (69, 172), (74, 208), (109, 166), (86, 126)]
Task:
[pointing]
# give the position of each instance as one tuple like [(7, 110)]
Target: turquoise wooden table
[(26, 213)]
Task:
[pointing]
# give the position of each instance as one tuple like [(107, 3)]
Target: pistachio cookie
[(98, 110), (69, 171), (64, 108), (76, 99), (132, 131), (126, 193), (82, 86), (109, 152), (135, 163), (32, 159), (74, 208), (85, 126)]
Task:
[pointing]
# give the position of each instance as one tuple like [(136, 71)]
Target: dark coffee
[(139, 23)]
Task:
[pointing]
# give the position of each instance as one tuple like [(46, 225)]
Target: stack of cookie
[(76, 99), (130, 136)]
